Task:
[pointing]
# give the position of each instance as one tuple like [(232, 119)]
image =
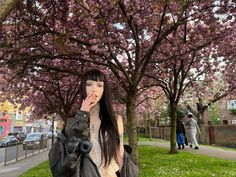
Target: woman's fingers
[(89, 102), (91, 99)]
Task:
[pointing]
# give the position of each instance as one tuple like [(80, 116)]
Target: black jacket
[(69, 156), (180, 127)]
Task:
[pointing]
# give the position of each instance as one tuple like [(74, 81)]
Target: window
[(231, 104), (18, 116)]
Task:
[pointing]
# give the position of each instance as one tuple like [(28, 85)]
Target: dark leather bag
[(69, 156), (88, 168), (130, 168), (62, 163)]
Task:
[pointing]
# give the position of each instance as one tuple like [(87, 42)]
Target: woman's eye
[(100, 85), (88, 84)]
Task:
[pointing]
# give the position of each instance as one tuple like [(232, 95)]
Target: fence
[(222, 135), (11, 154)]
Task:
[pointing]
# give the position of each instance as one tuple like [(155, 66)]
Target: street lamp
[(52, 128)]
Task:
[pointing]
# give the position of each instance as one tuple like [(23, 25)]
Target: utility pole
[(53, 119)]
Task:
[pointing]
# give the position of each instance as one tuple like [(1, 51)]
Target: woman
[(107, 149), (91, 144), (193, 129)]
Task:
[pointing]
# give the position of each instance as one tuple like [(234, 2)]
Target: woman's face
[(95, 89)]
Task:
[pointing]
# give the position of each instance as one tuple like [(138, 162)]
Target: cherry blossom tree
[(125, 36), (147, 106), (222, 83), (205, 95), (84, 31), (190, 53), (227, 48), (199, 98), (6, 6), (46, 91)]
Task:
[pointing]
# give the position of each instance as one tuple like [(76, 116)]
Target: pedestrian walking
[(180, 133), (193, 130)]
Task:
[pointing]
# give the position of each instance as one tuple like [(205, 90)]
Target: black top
[(180, 127)]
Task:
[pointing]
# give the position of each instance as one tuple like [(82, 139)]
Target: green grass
[(142, 138), (42, 170), (156, 162), (183, 164)]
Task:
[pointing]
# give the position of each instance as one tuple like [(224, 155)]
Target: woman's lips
[(94, 96)]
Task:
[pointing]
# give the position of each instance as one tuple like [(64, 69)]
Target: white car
[(49, 135), (35, 140)]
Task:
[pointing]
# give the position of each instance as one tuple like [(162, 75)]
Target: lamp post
[(52, 128)]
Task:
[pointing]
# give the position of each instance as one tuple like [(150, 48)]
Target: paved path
[(17, 168), (203, 149)]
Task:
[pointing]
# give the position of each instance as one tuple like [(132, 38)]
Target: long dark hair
[(109, 139)]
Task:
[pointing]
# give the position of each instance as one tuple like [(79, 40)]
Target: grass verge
[(183, 164), (42, 170)]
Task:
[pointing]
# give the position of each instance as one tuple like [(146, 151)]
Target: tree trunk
[(150, 131), (202, 136), (6, 6), (131, 123), (173, 116), (201, 109)]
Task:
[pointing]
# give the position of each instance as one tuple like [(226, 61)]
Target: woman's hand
[(88, 103)]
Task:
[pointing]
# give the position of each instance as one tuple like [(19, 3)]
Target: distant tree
[(205, 93), (214, 114), (188, 54), (233, 111)]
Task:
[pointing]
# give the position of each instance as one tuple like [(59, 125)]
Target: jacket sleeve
[(78, 126)]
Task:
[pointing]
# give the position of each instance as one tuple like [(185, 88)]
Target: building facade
[(11, 119)]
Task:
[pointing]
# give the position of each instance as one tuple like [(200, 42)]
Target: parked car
[(9, 141), (19, 135), (35, 140), (49, 135)]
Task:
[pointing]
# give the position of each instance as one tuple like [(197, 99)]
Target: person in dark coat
[(180, 133)]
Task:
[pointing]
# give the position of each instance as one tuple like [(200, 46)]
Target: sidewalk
[(19, 167), (203, 150)]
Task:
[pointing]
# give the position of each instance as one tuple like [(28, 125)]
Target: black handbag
[(69, 156), (88, 168), (62, 163), (130, 168)]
